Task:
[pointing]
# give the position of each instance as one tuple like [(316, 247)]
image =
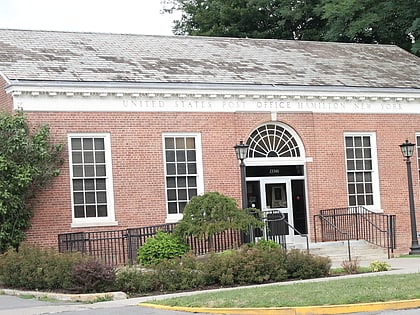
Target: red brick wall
[(6, 101), (136, 144)]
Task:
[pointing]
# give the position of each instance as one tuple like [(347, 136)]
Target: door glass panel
[(275, 195)]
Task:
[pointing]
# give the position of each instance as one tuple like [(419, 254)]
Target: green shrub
[(37, 269), (267, 244), (134, 281), (92, 276), (302, 265), (180, 273), (376, 266), (161, 246)]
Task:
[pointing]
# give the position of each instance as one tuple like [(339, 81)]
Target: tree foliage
[(358, 21), (28, 162), (212, 213)]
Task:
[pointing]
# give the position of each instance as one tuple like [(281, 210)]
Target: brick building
[(150, 121)]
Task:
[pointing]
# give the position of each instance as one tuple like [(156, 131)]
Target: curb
[(87, 298), (301, 310)]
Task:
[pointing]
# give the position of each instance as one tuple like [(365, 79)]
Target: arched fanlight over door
[(272, 141)]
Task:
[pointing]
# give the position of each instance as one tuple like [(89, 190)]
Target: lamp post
[(241, 150), (407, 149)]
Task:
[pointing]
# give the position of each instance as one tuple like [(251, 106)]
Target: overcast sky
[(121, 16)]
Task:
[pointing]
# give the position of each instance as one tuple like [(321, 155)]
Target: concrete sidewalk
[(398, 265)]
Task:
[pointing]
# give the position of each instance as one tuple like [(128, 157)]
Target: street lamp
[(407, 149), (241, 150)]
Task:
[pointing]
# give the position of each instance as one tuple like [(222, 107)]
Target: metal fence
[(356, 223), (120, 247)]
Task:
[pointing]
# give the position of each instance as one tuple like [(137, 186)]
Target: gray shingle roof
[(100, 57)]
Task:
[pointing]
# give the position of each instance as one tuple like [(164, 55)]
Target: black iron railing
[(120, 247), (354, 223)]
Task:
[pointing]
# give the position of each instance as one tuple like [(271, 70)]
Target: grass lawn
[(332, 292)]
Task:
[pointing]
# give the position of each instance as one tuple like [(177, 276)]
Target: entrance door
[(276, 202)]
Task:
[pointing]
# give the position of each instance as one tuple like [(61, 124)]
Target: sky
[(110, 16)]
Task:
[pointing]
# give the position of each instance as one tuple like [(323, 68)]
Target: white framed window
[(92, 193), (183, 171), (362, 170)]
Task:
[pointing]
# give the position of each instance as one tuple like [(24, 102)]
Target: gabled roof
[(27, 55)]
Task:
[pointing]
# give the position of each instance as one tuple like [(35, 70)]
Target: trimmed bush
[(92, 276), (37, 269), (134, 281), (301, 265), (159, 247)]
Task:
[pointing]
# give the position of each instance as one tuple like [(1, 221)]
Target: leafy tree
[(212, 213), (358, 21), (28, 162)]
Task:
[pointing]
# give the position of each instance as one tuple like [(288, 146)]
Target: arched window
[(272, 141)]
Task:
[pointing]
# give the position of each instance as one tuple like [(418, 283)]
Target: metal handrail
[(336, 229), (362, 226), (283, 218)]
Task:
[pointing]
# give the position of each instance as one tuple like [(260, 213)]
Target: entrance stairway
[(364, 252)]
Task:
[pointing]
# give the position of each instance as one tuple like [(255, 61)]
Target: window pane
[(350, 177), (367, 153), (100, 170), (89, 171), (170, 156), (192, 193), (369, 188), (190, 143), (368, 164), (87, 144), (102, 211), (171, 194), (349, 142), (170, 182), (357, 142), (192, 182), (77, 184), (170, 169), (182, 181), (172, 208), (191, 156), (100, 157), (366, 141), (100, 184), (358, 153), (180, 156), (182, 194), (169, 143), (76, 144), (368, 177), (88, 157), (352, 200), (192, 168), (359, 165), (78, 198), (181, 168), (369, 200), (90, 197), (180, 143), (76, 157), (90, 211), (99, 144), (361, 200), (359, 177), (352, 189), (350, 165), (79, 212), (77, 170), (101, 197), (350, 153), (89, 184)]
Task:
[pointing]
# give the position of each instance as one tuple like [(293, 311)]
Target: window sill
[(93, 224)]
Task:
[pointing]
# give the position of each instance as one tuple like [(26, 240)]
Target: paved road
[(13, 305)]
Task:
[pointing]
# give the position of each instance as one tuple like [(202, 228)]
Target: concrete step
[(364, 252)]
